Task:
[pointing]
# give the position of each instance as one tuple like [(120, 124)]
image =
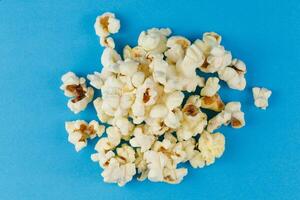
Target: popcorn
[(154, 39), (193, 58), (211, 146), (96, 80), (141, 139), (216, 57), (261, 96), (177, 47), (109, 59), (156, 121), (194, 121), (118, 173), (233, 75), (80, 131), (75, 87), (214, 103), (237, 116), (106, 24), (161, 170), (211, 87)]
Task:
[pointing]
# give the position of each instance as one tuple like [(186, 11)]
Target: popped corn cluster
[(156, 118)]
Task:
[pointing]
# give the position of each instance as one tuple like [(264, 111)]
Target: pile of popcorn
[(156, 119)]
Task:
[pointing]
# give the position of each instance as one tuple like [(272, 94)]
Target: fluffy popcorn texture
[(234, 74), (236, 115), (75, 88), (261, 96), (211, 146), (211, 87), (154, 39), (80, 131), (154, 102), (194, 121)]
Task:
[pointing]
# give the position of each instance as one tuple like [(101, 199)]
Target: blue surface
[(41, 40)]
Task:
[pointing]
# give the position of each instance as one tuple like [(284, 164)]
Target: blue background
[(41, 40)]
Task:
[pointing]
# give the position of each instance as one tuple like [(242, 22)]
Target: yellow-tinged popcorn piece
[(261, 96), (214, 103), (211, 146)]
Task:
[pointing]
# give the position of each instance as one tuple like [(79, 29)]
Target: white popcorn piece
[(128, 67), (141, 139), (216, 57), (109, 59), (211, 146), (137, 79), (137, 54), (197, 161), (80, 131), (193, 59), (118, 173), (106, 24), (261, 96), (160, 69), (177, 47), (173, 175), (124, 125), (141, 165), (194, 121), (75, 87), (154, 39), (234, 74), (156, 161), (96, 80), (125, 154), (211, 87), (237, 116)]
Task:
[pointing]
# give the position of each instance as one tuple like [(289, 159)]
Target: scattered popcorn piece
[(211, 146), (76, 88), (261, 96), (106, 24), (237, 116), (80, 131), (234, 74), (211, 87)]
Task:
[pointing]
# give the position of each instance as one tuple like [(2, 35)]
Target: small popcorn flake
[(150, 101), (261, 97), (80, 131), (76, 88)]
